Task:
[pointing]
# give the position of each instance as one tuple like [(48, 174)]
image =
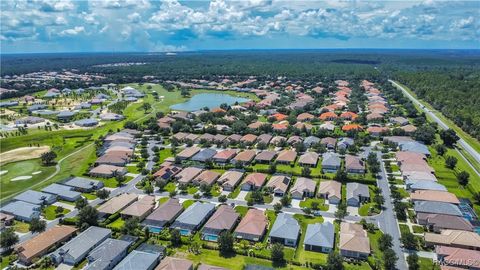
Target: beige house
[(354, 241)]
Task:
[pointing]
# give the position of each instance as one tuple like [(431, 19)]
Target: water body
[(210, 100)]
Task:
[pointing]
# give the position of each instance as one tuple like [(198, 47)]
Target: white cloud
[(72, 31)]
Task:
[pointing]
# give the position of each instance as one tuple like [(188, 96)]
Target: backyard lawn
[(117, 224), (301, 254)]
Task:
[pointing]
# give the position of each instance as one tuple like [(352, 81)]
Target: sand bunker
[(37, 172), (19, 178), (3, 172), (23, 153)]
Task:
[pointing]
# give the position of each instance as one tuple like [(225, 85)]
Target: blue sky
[(35, 26)]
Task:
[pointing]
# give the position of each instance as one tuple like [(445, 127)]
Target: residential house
[(234, 138), (320, 237), (278, 184), (204, 155), (22, 211), (117, 204), (457, 258), (145, 257), (107, 254), (357, 194), (86, 122), (252, 226), (207, 177), (193, 217), (264, 138), (6, 220), (164, 215), (249, 139), (434, 196), (344, 143), (265, 156), (230, 179), (172, 263), (285, 230), (414, 146), (115, 158), (36, 197), (75, 250), (439, 222), (310, 141), (454, 238), (425, 185), (432, 207), (63, 192), (278, 140), (107, 171), (188, 153), (331, 162), (303, 187), (187, 175), (286, 157), (224, 219), (331, 191), (244, 157), (305, 117), (40, 244), (294, 140), (254, 181), (83, 184), (329, 142), (224, 156), (308, 159), (139, 209), (354, 242), (354, 164), (167, 171)]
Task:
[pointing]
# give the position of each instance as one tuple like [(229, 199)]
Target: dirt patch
[(23, 153)]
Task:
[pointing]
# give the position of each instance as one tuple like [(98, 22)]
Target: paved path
[(442, 124), (387, 222)]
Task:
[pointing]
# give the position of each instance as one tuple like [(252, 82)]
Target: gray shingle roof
[(195, 213), (35, 197), (285, 226), (61, 190), (428, 185), (101, 257), (22, 209), (204, 155), (416, 147), (355, 189), (437, 208), (138, 260), (320, 234), (84, 183), (331, 159)]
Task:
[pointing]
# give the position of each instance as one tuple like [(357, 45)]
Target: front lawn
[(234, 193), (162, 200), (187, 203), (50, 214), (21, 227), (307, 203), (170, 187), (242, 210), (89, 196), (418, 229)]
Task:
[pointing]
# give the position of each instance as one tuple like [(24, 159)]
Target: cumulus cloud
[(72, 31)]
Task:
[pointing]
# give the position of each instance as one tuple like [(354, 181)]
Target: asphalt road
[(442, 124)]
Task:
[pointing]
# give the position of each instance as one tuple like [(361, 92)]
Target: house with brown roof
[(252, 226), (180, 136), (331, 191), (303, 187), (139, 209), (434, 196), (188, 152), (308, 159), (164, 215), (354, 242), (191, 138), (225, 156), (278, 140), (187, 175), (172, 263), (117, 204), (354, 164), (167, 170), (42, 243), (244, 157), (256, 125), (407, 157), (278, 184), (458, 258), (349, 116), (205, 137), (234, 138), (294, 140), (454, 238), (328, 116), (376, 130), (254, 181), (265, 156), (305, 117), (264, 138), (224, 219), (409, 129), (116, 158), (206, 177), (230, 179), (439, 222), (329, 142), (286, 157), (219, 138), (249, 139), (107, 171)]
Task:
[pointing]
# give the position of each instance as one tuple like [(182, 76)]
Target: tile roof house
[(117, 204), (107, 254), (206, 177), (278, 140), (354, 241), (278, 184), (254, 181), (264, 138), (294, 139), (439, 222), (77, 249), (309, 159), (252, 226), (435, 196), (329, 142), (191, 138), (331, 191), (328, 116), (245, 156), (399, 120), (179, 136), (320, 237), (286, 156), (62, 192), (454, 238), (83, 184), (164, 215), (249, 139), (224, 156), (303, 187), (204, 155), (310, 141), (172, 263), (144, 257), (305, 117), (327, 126), (285, 230), (107, 171), (224, 219), (357, 193), (187, 175), (39, 245), (459, 258), (354, 164), (36, 197), (230, 179), (193, 217), (235, 138), (21, 210), (256, 125), (139, 209), (331, 162), (167, 170), (188, 152), (265, 156), (432, 207)]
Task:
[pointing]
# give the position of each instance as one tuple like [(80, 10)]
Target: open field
[(22, 153)]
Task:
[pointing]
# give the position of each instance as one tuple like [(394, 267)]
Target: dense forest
[(448, 79)]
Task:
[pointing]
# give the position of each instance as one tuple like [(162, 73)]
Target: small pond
[(210, 100)]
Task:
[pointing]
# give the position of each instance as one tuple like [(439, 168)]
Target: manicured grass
[(163, 200), (133, 169), (404, 229), (22, 168), (266, 199), (403, 192), (216, 190), (170, 187), (163, 154), (89, 196), (308, 203), (376, 254), (21, 227), (187, 203), (242, 210), (427, 264), (50, 214), (192, 190), (234, 193), (364, 210), (112, 183), (271, 219), (418, 229), (301, 254), (117, 224)]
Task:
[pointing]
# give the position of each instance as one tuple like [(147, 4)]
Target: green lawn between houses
[(301, 254), (50, 214), (308, 203)]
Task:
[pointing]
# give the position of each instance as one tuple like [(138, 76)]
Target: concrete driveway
[(352, 210), (241, 195), (296, 203)]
